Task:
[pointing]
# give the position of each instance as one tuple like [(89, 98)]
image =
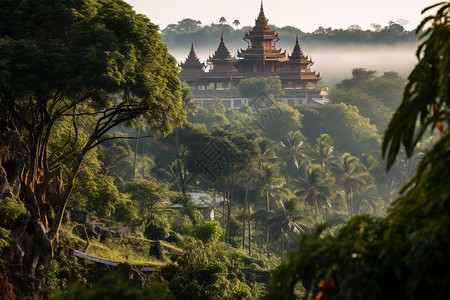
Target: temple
[(260, 59)]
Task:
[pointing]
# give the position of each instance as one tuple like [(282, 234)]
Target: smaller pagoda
[(296, 72), (222, 74), (192, 68), (222, 62)]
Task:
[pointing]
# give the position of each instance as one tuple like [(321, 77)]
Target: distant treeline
[(189, 30)]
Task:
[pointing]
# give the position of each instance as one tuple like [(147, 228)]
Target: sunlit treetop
[(59, 54)]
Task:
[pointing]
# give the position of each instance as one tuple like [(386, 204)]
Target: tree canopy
[(254, 87), (187, 30), (90, 64), (375, 96), (350, 131)]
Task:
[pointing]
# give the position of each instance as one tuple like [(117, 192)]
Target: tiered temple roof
[(261, 49), (261, 58), (298, 66), (222, 61), (192, 67)]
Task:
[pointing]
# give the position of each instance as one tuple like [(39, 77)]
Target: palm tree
[(248, 176), (188, 99), (419, 152), (366, 199), (324, 152), (315, 187), (222, 20), (143, 166), (189, 106), (272, 189), (295, 149), (268, 153), (172, 171), (401, 170), (351, 174), (287, 221), (236, 23)]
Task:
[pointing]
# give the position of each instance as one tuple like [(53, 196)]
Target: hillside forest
[(189, 30), (268, 201)]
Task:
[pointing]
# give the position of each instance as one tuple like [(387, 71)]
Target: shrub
[(208, 232)]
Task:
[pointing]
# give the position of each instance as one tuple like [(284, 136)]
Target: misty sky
[(306, 15)]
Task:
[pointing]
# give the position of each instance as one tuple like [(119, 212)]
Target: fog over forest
[(334, 62)]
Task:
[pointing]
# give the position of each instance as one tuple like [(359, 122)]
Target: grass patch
[(134, 250)]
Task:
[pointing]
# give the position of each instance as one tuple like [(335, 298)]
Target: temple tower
[(222, 61), (296, 72), (261, 56), (222, 74), (192, 68)]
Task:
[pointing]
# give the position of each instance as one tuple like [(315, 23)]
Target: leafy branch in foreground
[(426, 97), (405, 255)]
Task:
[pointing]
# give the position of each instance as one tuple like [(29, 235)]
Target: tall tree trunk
[(244, 217), (135, 153), (224, 214), (315, 209), (230, 190), (349, 204), (249, 231), (228, 216), (180, 171), (267, 224)]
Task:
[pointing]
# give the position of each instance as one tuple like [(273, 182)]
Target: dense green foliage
[(199, 274), (426, 96), (350, 131), (10, 210), (405, 254), (375, 96), (252, 88), (93, 95), (115, 286), (210, 231), (276, 183), (67, 78), (55, 71)]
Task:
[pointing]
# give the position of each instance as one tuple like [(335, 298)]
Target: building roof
[(261, 23), (261, 58), (192, 68), (192, 61), (202, 200), (222, 55), (222, 62), (261, 46)]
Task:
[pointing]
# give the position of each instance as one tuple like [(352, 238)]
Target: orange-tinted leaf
[(322, 283), (319, 295), (331, 282), (440, 126)]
